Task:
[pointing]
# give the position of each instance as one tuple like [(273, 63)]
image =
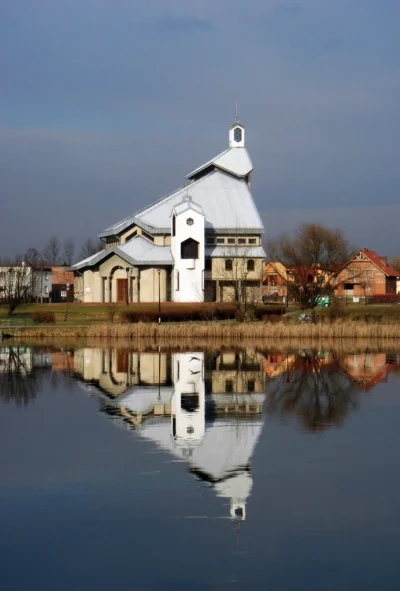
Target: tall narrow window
[(228, 265), (177, 281), (173, 225), (250, 265), (237, 134)]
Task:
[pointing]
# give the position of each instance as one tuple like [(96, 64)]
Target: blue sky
[(105, 105)]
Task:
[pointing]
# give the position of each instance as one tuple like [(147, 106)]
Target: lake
[(199, 468)]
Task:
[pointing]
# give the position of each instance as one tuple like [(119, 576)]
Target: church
[(200, 243)]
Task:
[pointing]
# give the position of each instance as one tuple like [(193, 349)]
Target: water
[(198, 470)]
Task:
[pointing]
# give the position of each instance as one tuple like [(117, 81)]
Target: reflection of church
[(204, 408)]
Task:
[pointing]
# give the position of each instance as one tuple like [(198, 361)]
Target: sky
[(106, 105)]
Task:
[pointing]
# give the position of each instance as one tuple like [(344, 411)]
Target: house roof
[(375, 259), (233, 160), (226, 202), (137, 251)]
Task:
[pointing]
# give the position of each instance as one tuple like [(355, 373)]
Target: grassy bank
[(234, 331)]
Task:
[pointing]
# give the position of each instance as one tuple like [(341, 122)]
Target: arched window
[(189, 249), (228, 265), (237, 134), (250, 265)]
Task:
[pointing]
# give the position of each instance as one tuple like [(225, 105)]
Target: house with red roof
[(367, 274)]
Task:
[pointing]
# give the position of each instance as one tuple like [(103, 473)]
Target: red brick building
[(367, 274)]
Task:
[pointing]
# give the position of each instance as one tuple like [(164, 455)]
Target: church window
[(228, 265), (190, 221), (231, 241), (251, 386), (148, 236), (241, 240), (177, 281), (252, 240), (173, 225), (250, 265), (210, 239), (208, 264), (237, 134), (220, 240), (189, 249), (228, 386), (130, 236)]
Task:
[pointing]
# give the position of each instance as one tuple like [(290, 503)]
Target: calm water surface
[(198, 470)]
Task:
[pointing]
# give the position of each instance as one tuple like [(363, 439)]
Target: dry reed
[(235, 332)]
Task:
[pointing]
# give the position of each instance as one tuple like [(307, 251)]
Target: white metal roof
[(142, 250), (234, 160), (137, 251), (226, 202)]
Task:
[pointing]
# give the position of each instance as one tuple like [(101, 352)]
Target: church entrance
[(122, 291)]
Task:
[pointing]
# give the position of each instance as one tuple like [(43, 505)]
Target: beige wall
[(239, 268)]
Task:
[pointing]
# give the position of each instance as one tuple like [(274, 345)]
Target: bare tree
[(17, 286), (311, 260), (90, 247), (395, 263), (240, 273), (68, 251), (32, 257), (51, 253)]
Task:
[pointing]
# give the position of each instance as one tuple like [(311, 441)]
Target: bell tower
[(236, 134)]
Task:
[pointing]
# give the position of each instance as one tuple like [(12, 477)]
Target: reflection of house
[(163, 396), (366, 273), (369, 369), (186, 246)]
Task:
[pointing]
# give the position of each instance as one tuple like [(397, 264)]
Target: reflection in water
[(203, 408), (206, 408)]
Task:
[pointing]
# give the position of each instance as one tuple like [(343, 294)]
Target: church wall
[(149, 284)]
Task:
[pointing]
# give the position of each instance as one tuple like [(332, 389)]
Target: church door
[(122, 291)]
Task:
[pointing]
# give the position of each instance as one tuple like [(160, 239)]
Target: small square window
[(220, 240), (231, 241), (252, 240), (242, 241)]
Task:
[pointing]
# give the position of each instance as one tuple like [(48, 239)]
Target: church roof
[(226, 202), (137, 251), (233, 160)]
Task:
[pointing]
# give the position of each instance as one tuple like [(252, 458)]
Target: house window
[(46, 289), (220, 240), (231, 241), (250, 265), (242, 241), (190, 221), (228, 265), (173, 225), (207, 266), (252, 240), (189, 249)]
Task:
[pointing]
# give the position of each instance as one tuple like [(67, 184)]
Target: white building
[(199, 243)]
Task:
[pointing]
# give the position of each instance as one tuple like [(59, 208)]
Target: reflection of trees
[(17, 382), (314, 389)]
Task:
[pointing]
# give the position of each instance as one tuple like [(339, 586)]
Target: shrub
[(43, 317)]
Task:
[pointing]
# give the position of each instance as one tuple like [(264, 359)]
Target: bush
[(43, 317)]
